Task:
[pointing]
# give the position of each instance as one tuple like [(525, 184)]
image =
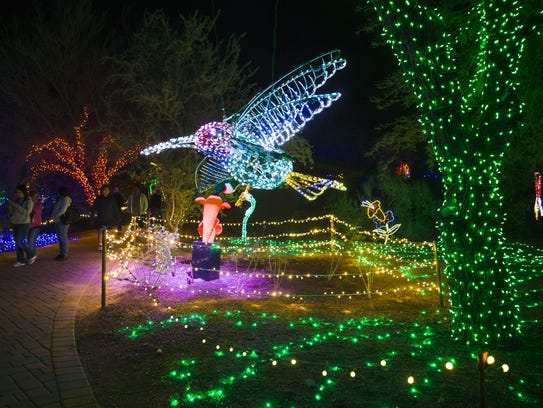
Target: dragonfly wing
[(310, 186), (276, 114), (209, 173)]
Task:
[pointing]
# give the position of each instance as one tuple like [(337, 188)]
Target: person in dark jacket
[(106, 212), (59, 208), (20, 210), (155, 203), (120, 203)]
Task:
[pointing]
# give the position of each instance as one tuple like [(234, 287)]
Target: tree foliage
[(51, 67), (51, 73), (462, 60), (89, 166), (172, 79), (403, 139)]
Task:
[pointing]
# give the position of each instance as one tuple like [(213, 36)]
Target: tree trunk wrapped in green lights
[(462, 63)]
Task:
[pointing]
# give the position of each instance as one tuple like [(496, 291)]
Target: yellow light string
[(369, 257)]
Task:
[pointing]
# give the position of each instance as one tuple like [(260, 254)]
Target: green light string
[(367, 351), (464, 72)]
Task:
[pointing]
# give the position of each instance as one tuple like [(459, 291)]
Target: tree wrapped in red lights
[(91, 167), (463, 66)]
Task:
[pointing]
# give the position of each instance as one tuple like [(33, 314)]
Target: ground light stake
[(438, 273)]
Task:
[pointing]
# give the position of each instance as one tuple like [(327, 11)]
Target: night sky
[(279, 36)]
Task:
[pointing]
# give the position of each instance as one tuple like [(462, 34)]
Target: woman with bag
[(20, 219)]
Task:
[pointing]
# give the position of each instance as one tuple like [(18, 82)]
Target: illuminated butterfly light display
[(246, 146)]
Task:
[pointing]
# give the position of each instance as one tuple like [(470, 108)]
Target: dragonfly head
[(213, 138)]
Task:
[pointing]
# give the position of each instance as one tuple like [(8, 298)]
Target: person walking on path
[(20, 219), (106, 212), (59, 208), (35, 225), (120, 200)]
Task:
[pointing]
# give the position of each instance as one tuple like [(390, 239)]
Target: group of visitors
[(107, 208), (25, 216)]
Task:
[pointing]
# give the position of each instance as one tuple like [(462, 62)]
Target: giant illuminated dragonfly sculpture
[(246, 146)]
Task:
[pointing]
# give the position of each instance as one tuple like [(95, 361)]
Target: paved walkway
[(39, 363)]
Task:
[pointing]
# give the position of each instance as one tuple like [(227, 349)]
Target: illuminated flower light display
[(246, 146), (246, 196), (72, 159), (537, 206), (131, 251), (210, 225), (400, 259), (381, 219)]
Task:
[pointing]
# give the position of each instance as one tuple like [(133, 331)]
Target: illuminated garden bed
[(293, 323)]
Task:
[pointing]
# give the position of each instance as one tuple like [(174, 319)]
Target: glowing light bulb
[(505, 368), (383, 363), (449, 365), (293, 361), (490, 360), (352, 374), (324, 373), (410, 379)]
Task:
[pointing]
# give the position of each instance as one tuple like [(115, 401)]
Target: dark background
[(280, 35)]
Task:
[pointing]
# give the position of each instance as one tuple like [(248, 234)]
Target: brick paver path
[(39, 364)]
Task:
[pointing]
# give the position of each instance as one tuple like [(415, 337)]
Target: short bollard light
[(104, 275)]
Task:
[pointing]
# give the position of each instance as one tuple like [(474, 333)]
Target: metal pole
[(438, 273), (104, 249), (332, 231)]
